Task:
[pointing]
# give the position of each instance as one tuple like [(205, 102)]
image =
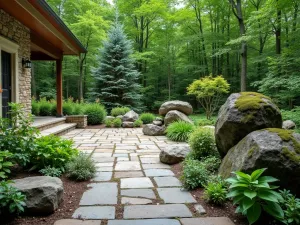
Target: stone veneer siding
[(13, 30), (81, 120)]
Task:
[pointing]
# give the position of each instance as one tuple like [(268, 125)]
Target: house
[(30, 30)]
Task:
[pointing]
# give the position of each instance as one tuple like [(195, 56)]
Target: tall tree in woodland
[(237, 11), (116, 78)]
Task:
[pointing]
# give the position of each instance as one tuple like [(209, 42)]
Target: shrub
[(17, 135), (81, 167), (194, 174), (293, 115), (45, 107), (51, 171), (11, 200), (253, 194), (291, 208), (35, 107), (119, 111), (52, 151), (68, 108), (138, 123), (78, 108), (147, 118), (179, 131), (5, 164), (117, 122), (215, 193), (202, 143), (95, 112), (211, 163), (108, 122), (206, 122)]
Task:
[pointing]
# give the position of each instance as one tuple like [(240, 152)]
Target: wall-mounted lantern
[(26, 63)]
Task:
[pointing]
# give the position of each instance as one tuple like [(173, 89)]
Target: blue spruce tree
[(116, 77)]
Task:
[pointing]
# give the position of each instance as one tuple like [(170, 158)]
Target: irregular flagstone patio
[(131, 186)]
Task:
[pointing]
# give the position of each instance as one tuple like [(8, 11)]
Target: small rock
[(157, 123), (174, 154), (199, 208), (175, 115), (120, 117), (153, 130), (127, 124), (288, 125), (110, 118), (130, 116), (159, 119)]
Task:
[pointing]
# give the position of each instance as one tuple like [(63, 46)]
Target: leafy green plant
[(117, 122), (291, 208), (202, 143), (194, 174), (51, 171), (45, 107), (211, 163), (179, 131), (35, 107), (293, 115), (68, 108), (11, 200), (17, 135), (81, 167), (147, 118), (206, 122), (253, 193), (52, 151), (138, 123), (108, 122), (215, 193), (5, 164), (119, 111), (95, 112)]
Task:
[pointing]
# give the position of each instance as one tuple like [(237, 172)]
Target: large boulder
[(278, 150), (175, 115), (154, 130), (43, 193), (288, 125), (181, 106), (130, 116), (174, 154), (241, 114)]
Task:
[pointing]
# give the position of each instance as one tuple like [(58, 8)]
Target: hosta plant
[(254, 194), (5, 163)]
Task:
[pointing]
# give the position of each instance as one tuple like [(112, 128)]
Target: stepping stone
[(127, 166), (150, 160), (143, 182), (128, 174), (199, 208), (156, 166), (100, 194), (100, 155), (95, 212), (167, 182), (175, 195), (104, 169), (99, 159), (144, 222), (142, 193), (103, 176), (77, 222), (122, 159), (207, 221), (120, 155), (107, 164), (135, 201), (156, 211), (158, 173)]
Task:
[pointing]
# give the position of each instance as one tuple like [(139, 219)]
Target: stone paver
[(175, 195), (143, 182), (199, 208), (77, 222), (150, 160), (167, 181), (156, 166), (158, 173), (135, 201), (95, 212), (156, 211), (100, 194), (144, 222), (143, 193), (207, 221), (121, 166), (128, 174), (102, 176)]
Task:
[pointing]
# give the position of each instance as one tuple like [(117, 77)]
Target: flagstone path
[(131, 186)]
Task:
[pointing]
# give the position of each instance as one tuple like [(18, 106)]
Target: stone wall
[(81, 120), (13, 30)]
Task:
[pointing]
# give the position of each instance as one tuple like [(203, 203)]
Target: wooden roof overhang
[(50, 37)]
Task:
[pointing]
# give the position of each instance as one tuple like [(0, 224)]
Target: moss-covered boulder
[(241, 114), (278, 150)]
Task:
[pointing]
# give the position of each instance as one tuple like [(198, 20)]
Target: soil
[(73, 191), (227, 210)]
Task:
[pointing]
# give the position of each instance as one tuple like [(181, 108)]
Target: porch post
[(59, 98)]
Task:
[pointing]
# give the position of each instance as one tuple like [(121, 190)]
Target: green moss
[(250, 101), (285, 135), (248, 118), (291, 155), (252, 150)]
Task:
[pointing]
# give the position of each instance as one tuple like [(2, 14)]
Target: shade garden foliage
[(179, 131)]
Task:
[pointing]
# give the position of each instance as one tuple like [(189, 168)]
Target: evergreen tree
[(116, 77)]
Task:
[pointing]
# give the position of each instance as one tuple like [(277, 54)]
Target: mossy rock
[(278, 150), (241, 114)]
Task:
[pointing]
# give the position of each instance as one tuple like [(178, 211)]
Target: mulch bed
[(73, 191), (228, 210)]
